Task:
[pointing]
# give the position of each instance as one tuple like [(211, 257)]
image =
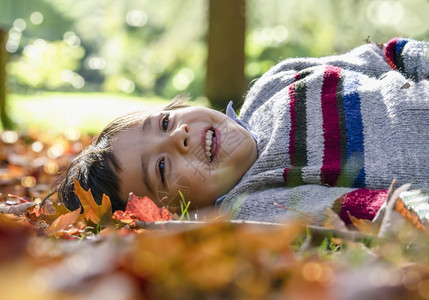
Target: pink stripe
[(292, 132), (362, 204), (331, 167), (390, 52)]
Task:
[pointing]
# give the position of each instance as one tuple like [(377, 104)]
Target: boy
[(330, 131)]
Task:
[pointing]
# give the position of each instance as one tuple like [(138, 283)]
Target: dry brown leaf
[(365, 226), (17, 209), (52, 210), (392, 220), (63, 221), (91, 210), (333, 220)]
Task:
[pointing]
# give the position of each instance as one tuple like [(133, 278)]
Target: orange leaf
[(146, 210), (126, 217), (408, 215), (91, 210), (365, 226), (51, 210), (63, 221)]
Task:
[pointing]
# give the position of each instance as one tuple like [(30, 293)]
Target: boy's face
[(196, 150)]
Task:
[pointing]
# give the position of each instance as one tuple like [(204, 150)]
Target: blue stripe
[(400, 43), (355, 166)]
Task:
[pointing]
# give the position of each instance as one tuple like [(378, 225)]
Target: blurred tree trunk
[(225, 79), (6, 122)]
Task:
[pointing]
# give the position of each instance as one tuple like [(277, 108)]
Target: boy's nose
[(180, 137)]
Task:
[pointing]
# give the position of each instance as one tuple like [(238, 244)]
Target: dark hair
[(96, 167)]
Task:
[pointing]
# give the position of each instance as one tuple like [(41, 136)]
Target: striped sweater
[(339, 127)]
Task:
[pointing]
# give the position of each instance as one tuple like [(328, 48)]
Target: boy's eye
[(161, 166), (164, 122)]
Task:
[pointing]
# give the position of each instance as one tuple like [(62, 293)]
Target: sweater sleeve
[(367, 59), (409, 57), (279, 204), (360, 203)]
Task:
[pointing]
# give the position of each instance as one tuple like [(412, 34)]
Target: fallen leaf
[(71, 233), (392, 220), (408, 215), (48, 207), (63, 221), (13, 238), (51, 210), (91, 210), (146, 210), (365, 226), (126, 217), (333, 220), (18, 209)]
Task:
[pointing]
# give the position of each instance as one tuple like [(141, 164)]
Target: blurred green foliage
[(148, 48)]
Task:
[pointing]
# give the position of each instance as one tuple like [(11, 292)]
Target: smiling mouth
[(210, 144)]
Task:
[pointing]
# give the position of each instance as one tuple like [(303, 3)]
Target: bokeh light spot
[(385, 12), (280, 33), (71, 39), (14, 39), (136, 18), (28, 181), (37, 146), (312, 271), (20, 24), (67, 75), (183, 78), (55, 151), (51, 167), (78, 81), (36, 18), (9, 137), (96, 63), (126, 85), (72, 134)]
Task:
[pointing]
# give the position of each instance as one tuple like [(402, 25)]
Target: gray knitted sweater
[(335, 126)]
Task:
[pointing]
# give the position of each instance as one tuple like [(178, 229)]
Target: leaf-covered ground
[(48, 252)]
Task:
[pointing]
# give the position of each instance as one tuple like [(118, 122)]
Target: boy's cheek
[(232, 138), (177, 188)]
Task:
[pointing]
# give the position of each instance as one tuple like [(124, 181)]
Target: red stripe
[(292, 132), (390, 52), (331, 167)]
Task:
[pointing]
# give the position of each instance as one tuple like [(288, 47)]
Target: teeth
[(208, 145)]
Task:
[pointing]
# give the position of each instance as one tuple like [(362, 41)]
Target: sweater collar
[(230, 112)]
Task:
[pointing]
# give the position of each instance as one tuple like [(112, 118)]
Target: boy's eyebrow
[(147, 124), (144, 163)]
